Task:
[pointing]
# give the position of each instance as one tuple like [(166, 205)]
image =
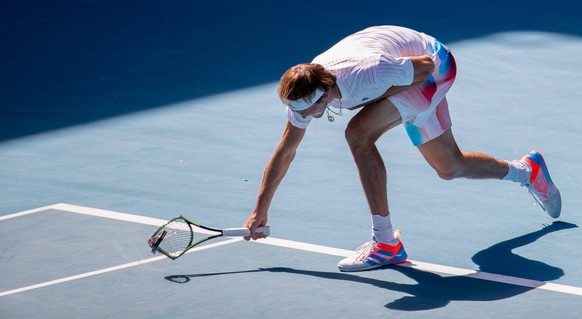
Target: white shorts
[(423, 108)]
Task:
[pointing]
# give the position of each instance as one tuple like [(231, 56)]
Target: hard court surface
[(118, 116)]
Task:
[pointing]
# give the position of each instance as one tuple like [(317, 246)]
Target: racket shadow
[(182, 279)]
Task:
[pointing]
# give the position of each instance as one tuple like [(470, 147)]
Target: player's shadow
[(435, 291)]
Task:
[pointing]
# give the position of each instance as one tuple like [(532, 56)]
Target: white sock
[(382, 230), (519, 172)]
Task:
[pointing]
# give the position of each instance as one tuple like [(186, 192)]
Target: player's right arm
[(423, 66), (274, 173)]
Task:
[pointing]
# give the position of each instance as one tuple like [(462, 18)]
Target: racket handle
[(241, 232)]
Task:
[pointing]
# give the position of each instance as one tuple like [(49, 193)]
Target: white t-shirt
[(368, 63)]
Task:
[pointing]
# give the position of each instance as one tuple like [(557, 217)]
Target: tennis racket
[(179, 235)]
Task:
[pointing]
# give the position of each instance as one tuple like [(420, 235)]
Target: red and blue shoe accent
[(372, 255), (540, 185)]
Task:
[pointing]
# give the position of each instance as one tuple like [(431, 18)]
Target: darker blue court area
[(71, 62)]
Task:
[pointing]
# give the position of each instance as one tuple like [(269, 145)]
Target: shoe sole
[(376, 266)]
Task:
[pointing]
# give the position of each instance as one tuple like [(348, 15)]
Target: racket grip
[(241, 232)]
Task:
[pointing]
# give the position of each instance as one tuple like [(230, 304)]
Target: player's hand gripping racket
[(179, 235)]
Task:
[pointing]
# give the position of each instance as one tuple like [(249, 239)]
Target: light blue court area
[(105, 272), (132, 113)]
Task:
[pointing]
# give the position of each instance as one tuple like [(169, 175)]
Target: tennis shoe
[(540, 185), (373, 254)]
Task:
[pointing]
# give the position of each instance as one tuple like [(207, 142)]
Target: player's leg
[(361, 134), (449, 162), (443, 154)]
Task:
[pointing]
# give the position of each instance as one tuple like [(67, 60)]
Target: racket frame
[(219, 233)]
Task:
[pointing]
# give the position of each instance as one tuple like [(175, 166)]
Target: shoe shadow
[(435, 291), (500, 258)]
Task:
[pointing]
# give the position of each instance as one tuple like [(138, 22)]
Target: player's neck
[(335, 92)]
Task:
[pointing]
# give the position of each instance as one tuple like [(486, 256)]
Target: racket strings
[(178, 238)]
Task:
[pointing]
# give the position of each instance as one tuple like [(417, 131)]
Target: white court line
[(114, 268), (447, 270), (27, 212), (98, 213), (90, 211)]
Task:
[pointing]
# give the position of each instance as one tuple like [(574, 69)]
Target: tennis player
[(394, 75)]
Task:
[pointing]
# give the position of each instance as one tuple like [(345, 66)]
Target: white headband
[(306, 102)]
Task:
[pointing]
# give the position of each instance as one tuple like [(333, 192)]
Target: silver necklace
[(329, 116)]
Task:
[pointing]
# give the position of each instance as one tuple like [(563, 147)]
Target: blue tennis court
[(119, 116)]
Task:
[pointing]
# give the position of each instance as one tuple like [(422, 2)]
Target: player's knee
[(357, 137), (449, 172), (446, 175)]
